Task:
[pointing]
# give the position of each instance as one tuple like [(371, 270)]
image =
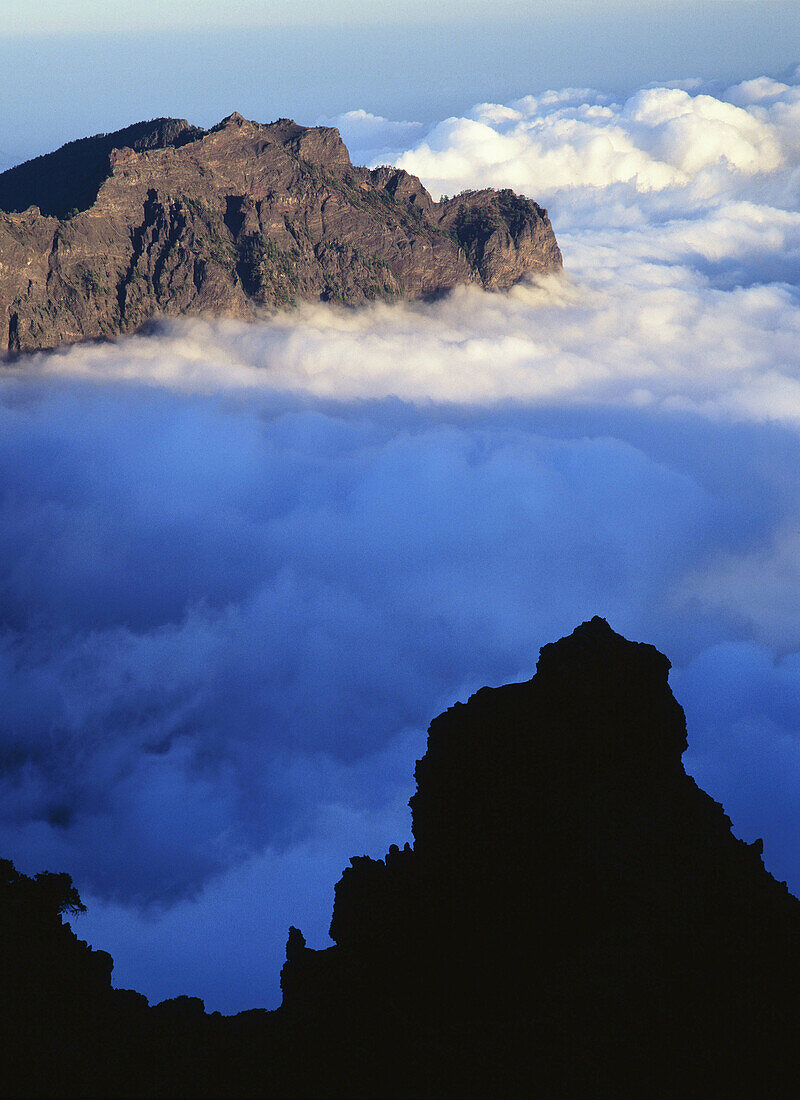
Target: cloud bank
[(244, 565)]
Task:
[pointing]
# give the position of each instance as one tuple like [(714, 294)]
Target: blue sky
[(65, 16), (71, 69)]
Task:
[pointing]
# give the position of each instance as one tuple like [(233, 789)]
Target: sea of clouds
[(244, 565)]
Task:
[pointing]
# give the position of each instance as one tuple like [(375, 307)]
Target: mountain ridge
[(163, 219)]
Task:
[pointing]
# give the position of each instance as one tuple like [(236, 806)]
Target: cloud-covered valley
[(244, 565)]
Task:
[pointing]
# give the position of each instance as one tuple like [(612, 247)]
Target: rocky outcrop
[(575, 911), (575, 918), (164, 219)]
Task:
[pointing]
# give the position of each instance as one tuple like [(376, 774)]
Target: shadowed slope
[(68, 179)]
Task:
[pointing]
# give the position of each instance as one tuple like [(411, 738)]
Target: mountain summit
[(163, 219)]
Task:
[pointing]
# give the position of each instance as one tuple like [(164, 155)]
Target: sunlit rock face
[(164, 219)]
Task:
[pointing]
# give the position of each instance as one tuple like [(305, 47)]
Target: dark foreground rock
[(575, 918), (163, 219)]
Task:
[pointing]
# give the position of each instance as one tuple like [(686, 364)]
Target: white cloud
[(244, 565), (662, 139), (633, 315)]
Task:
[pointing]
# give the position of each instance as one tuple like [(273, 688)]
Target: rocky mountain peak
[(596, 733), (624, 684), (594, 644), (163, 219)]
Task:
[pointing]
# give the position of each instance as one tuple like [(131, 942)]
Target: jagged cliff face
[(164, 219)]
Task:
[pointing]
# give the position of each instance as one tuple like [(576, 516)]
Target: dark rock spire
[(572, 893)]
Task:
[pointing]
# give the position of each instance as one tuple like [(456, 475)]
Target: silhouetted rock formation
[(570, 886), (575, 918), (163, 218)]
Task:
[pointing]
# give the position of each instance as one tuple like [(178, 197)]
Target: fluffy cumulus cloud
[(677, 146), (244, 565)]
